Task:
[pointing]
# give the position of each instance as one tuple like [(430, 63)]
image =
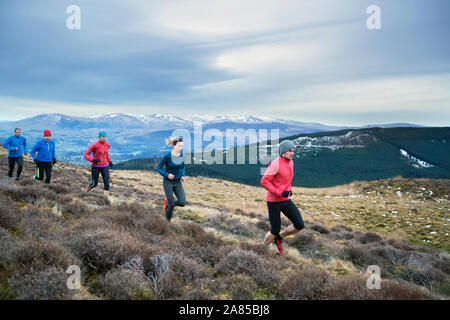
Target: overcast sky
[(311, 60)]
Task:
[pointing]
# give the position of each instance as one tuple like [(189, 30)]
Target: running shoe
[(278, 245)]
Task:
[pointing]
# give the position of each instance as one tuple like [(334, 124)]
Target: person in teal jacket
[(173, 175), (16, 145), (45, 158)]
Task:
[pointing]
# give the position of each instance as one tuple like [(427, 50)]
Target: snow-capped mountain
[(163, 122)]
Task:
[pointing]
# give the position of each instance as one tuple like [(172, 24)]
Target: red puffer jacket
[(278, 178), (100, 151)]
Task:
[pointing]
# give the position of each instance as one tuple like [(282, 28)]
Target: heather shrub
[(370, 237), (102, 249), (8, 214), (198, 293), (235, 226), (264, 225), (427, 276), (125, 284), (57, 187), (443, 264), (8, 245), (95, 199), (393, 255), (320, 229), (393, 290), (155, 224), (258, 248), (188, 269), (75, 209), (38, 255), (27, 194), (240, 261), (307, 283), (210, 255), (193, 230), (40, 223), (358, 255), (347, 288), (242, 287), (302, 239), (341, 228), (355, 288), (47, 284)]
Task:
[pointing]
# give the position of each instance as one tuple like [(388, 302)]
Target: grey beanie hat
[(286, 145)]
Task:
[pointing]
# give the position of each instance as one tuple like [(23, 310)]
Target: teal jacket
[(173, 165)]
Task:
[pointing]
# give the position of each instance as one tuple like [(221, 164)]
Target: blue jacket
[(176, 168), (45, 150), (12, 143)]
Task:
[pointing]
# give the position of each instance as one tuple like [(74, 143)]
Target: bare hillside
[(212, 248)]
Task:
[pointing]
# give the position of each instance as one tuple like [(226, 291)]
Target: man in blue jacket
[(16, 144), (45, 149)]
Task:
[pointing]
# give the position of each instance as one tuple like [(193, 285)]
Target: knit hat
[(286, 145), (101, 134), (47, 133)]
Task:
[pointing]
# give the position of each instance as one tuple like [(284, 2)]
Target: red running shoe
[(278, 245), (165, 205)]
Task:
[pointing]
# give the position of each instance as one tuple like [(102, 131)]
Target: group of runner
[(276, 180), (43, 154)]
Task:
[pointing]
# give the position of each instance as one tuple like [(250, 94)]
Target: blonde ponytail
[(173, 140)]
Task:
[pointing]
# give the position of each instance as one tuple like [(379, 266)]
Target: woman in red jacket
[(277, 181), (100, 162)]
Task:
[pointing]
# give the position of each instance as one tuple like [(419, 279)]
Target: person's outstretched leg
[(168, 190), (19, 166), (291, 211), (11, 164), (48, 172), (275, 222), (180, 194), (39, 171), (105, 175), (94, 178)]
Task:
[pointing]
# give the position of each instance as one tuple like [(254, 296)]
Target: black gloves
[(286, 194), (95, 161), (111, 164), (54, 161)]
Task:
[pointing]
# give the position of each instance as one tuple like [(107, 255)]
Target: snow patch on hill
[(415, 162), (351, 139)]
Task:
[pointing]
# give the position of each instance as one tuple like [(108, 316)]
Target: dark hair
[(17, 129)]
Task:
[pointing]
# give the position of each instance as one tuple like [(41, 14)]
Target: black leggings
[(44, 167), (95, 172), (289, 209), (12, 162), (171, 187)]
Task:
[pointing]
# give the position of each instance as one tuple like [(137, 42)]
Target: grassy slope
[(212, 247)]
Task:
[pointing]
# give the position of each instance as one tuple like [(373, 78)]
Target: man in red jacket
[(277, 181), (100, 162)]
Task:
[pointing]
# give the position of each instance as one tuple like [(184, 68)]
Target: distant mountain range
[(134, 136), (324, 159)]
